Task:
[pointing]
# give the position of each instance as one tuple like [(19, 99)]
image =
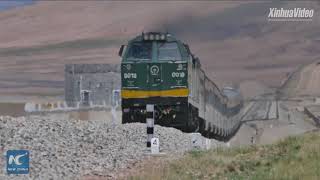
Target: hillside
[(292, 158), (234, 40), (304, 82)]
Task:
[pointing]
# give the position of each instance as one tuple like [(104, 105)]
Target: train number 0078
[(130, 75), (178, 74)]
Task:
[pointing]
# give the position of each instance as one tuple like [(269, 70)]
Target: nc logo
[(17, 162), (154, 70), (16, 159)]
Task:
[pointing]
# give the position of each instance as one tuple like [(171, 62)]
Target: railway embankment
[(314, 113), (62, 146), (291, 158)]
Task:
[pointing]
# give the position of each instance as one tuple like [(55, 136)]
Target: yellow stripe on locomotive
[(181, 92)]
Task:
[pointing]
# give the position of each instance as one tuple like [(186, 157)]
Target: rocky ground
[(62, 148), (86, 145)]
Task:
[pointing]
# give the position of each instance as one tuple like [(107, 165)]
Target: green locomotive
[(159, 69)]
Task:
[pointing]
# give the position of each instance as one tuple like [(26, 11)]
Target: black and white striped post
[(150, 123)]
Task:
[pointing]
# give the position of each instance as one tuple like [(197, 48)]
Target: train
[(159, 69)]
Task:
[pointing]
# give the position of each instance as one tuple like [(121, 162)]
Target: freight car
[(159, 69)]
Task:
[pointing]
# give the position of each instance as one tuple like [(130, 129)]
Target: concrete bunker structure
[(92, 84)]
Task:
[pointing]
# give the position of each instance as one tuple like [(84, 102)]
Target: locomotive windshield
[(140, 51), (168, 51)]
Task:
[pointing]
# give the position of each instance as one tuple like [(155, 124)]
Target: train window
[(168, 51), (140, 51)]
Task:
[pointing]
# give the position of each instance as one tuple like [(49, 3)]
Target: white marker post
[(114, 106), (196, 141), (150, 123), (155, 146)]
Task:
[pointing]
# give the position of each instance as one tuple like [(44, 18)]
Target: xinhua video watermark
[(293, 14)]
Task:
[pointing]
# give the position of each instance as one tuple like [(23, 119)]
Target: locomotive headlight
[(154, 36), (163, 37), (151, 37), (145, 37), (157, 37)]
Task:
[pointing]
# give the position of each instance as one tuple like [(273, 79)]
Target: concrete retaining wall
[(31, 107)]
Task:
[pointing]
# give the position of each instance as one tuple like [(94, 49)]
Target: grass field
[(293, 158)]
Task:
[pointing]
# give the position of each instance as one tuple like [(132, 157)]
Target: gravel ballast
[(62, 148)]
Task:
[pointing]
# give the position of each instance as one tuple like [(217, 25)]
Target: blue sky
[(7, 4)]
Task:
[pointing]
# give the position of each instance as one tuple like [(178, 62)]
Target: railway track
[(259, 110)]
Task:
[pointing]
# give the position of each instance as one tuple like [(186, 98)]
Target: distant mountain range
[(9, 4)]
